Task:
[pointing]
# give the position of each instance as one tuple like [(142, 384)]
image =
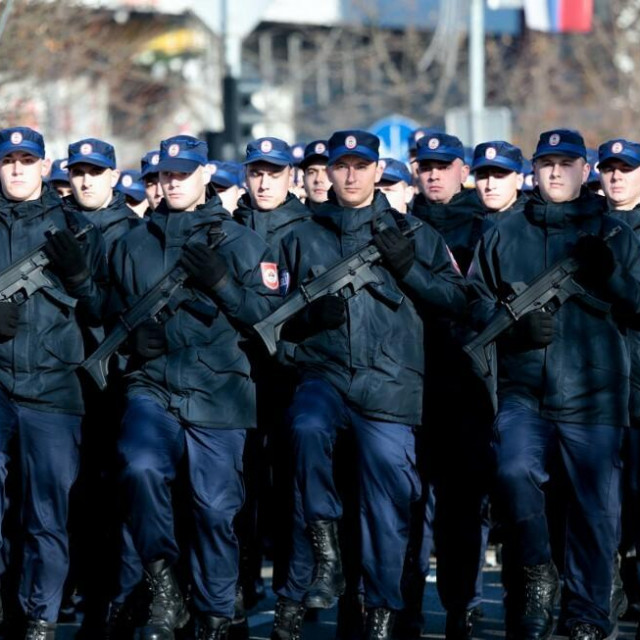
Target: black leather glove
[(398, 252), (9, 315), (533, 331), (327, 312), (149, 340), (67, 256), (596, 261), (204, 264)]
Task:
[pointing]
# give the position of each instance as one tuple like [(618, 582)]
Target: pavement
[(490, 626)]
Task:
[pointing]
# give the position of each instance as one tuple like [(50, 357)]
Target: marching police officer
[(395, 183), (315, 179), (497, 169), (131, 185), (361, 365), (41, 345), (560, 390), (58, 177), (151, 179), (189, 396), (224, 177)]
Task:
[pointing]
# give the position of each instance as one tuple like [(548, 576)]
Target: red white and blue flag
[(559, 16)]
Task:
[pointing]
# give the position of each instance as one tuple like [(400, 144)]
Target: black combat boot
[(40, 630), (379, 624), (586, 631), (541, 585), (239, 629), (288, 619), (328, 582), (168, 610), (213, 628), (459, 625)]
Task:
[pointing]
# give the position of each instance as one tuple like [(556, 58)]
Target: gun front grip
[(477, 351), (98, 369), (269, 334)]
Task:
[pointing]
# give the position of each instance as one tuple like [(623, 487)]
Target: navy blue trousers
[(590, 454), (48, 449), (152, 446), (388, 484)]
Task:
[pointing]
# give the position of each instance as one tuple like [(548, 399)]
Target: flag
[(559, 16)]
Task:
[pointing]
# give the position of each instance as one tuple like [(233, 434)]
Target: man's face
[(92, 186), (439, 181), (621, 184), (497, 187), (398, 194), (316, 182), (354, 180), (153, 189), (63, 189), (267, 184), (560, 177), (184, 191), (21, 176)]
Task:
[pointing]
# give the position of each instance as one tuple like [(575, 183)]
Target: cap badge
[(350, 142), (63, 165), (16, 137), (266, 146), (616, 147), (86, 149), (173, 150), (490, 153), (298, 152), (434, 143), (320, 148), (127, 181), (155, 158), (554, 139)]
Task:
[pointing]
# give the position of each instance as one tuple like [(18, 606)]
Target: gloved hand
[(596, 261), (9, 315), (398, 252), (204, 264), (67, 256), (533, 331), (149, 340), (327, 312)]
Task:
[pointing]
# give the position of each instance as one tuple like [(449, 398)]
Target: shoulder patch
[(269, 272)]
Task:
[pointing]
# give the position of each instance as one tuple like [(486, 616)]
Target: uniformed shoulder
[(243, 240)]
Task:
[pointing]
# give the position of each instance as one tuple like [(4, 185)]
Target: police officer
[(58, 177), (619, 175), (190, 399), (272, 211), (563, 385), (130, 184), (361, 365), (224, 177), (395, 183), (41, 345), (315, 179), (497, 168), (151, 179)]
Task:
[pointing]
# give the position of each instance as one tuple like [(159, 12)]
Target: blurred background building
[(135, 71)]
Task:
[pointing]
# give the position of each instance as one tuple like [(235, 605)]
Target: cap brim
[(152, 170), (498, 164), (559, 151), (270, 158), (360, 152), (24, 146), (442, 157), (92, 159), (177, 164), (394, 178), (219, 181), (317, 158), (632, 162), (137, 194)]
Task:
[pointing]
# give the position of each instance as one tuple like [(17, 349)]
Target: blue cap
[(149, 163), (394, 171), (594, 173), (59, 171), (297, 152), (223, 174), (314, 152), (271, 150), (418, 133), (130, 183), (497, 153), (620, 149), (21, 139), (439, 146), (564, 142), (353, 142), (182, 153), (92, 151)]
